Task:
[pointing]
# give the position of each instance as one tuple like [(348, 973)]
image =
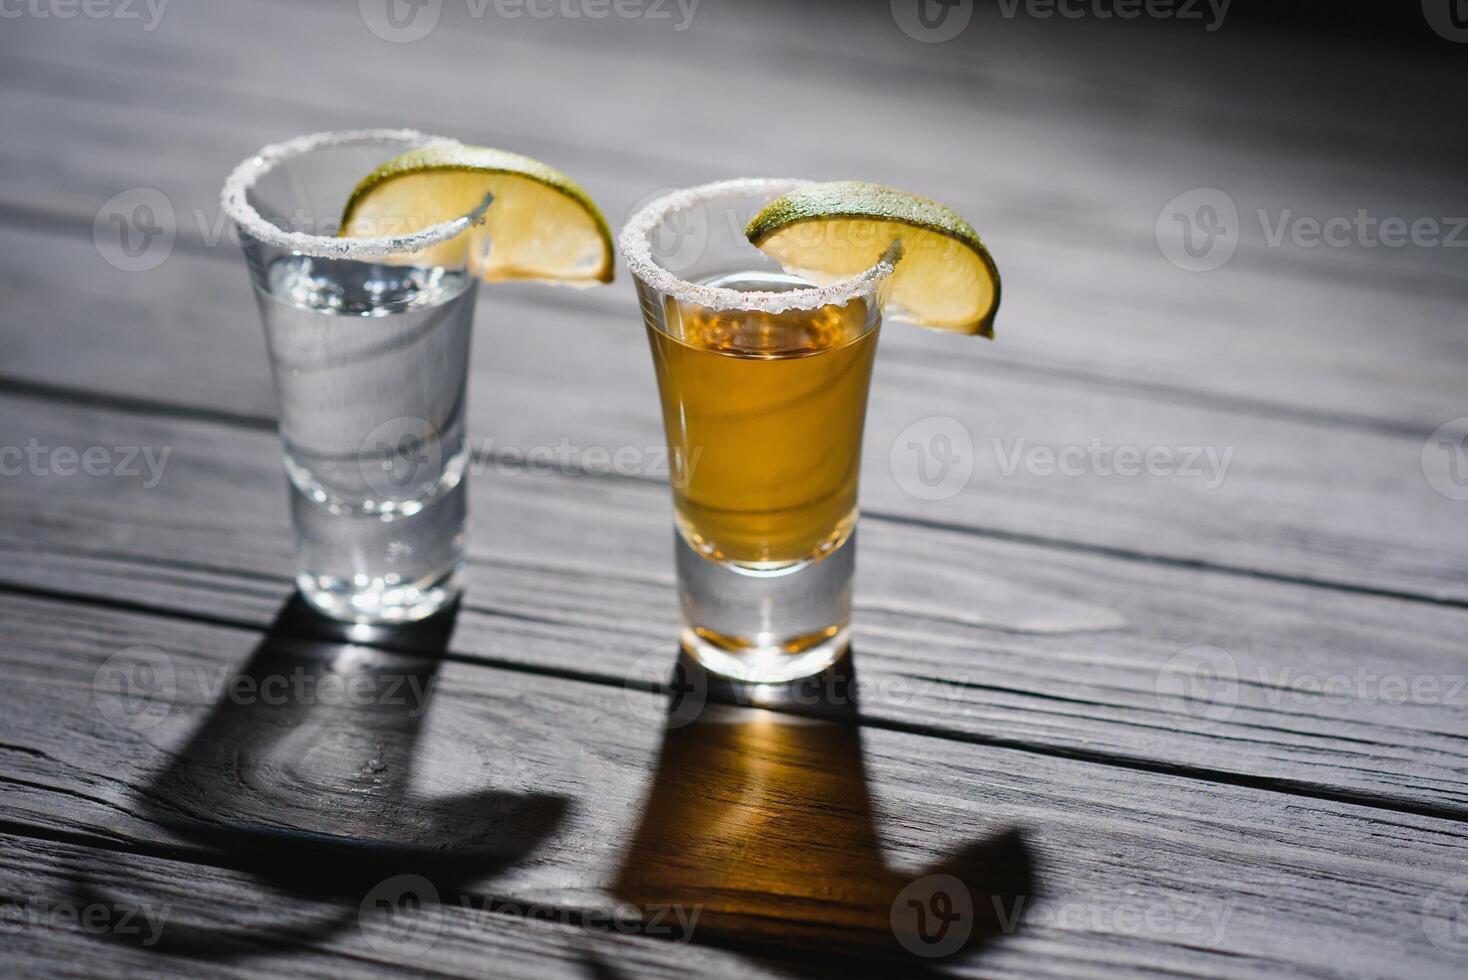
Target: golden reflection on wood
[(761, 822)]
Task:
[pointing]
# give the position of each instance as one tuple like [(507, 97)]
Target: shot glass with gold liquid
[(763, 379)]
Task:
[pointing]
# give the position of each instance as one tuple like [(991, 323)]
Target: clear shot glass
[(763, 379), (368, 340)]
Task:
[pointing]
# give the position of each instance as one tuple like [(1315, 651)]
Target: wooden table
[(1196, 720)]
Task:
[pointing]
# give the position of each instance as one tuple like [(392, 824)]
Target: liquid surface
[(764, 415)]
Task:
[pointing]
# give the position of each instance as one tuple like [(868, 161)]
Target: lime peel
[(536, 222), (946, 278)]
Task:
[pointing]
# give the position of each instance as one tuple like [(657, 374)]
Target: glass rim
[(635, 244), (234, 198)]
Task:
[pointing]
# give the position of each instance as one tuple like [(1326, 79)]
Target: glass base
[(766, 626), (379, 603), (358, 562)]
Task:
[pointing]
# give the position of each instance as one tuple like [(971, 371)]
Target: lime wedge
[(540, 225), (944, 278)]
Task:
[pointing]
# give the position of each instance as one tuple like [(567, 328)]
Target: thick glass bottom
[(371, 564), (378, 602), (766, 626)]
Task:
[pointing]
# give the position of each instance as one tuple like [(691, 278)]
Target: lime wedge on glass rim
[(944, 277), (540, 224)]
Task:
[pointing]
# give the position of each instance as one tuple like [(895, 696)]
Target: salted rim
[(635, 244), (234, 198)]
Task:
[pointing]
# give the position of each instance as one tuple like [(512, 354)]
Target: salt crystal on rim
[(235, 199), (635, 245)]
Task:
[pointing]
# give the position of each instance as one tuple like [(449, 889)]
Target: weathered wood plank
[(84, 911), (186, 333), (1089, 292), (757, 816), (1283, 367), (995, 628), (1166, 93), (978, 639)]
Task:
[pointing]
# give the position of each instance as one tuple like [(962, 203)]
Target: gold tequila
[(764, 414)]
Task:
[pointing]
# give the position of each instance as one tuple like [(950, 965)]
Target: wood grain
[(1234, 875), (1278, 359), (101, 912), (185, 334), (1093, 300), (983, 640), (1035, 706)]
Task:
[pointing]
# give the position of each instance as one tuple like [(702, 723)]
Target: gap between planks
[(1115, 760), (53, 393)]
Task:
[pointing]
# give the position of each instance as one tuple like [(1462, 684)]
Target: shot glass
[(763, 378), (368, 340)]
